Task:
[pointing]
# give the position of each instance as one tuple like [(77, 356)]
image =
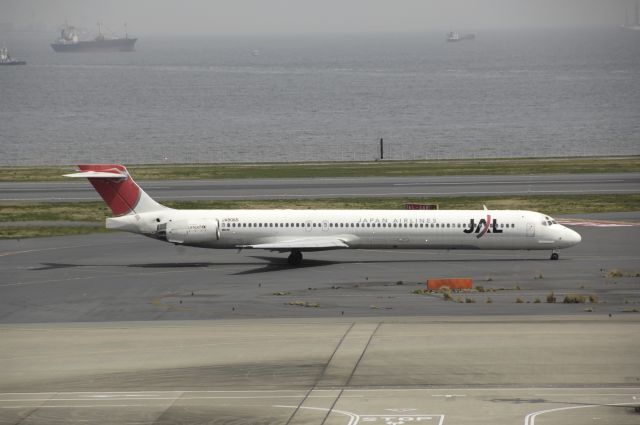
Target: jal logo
[(483, 227)]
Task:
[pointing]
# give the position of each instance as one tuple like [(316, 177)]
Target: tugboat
[(69, 41), (453, 36), (5, 58)]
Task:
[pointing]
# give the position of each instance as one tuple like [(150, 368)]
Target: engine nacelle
[(196, 232)]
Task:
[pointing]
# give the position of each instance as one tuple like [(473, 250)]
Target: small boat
[(6, 59)]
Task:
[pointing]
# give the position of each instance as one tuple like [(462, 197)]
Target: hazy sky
[(316, 16)]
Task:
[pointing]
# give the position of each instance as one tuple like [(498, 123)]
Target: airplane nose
[(572, 237)]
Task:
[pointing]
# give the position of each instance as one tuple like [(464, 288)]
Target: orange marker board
[(451, 283)]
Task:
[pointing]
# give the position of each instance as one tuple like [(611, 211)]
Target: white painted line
[(177, 398), (589, 394), (4, 254), (160, 392), (353, 418), (70, 406), (498, 182), (530, 419), (448, 395), (540, 391)]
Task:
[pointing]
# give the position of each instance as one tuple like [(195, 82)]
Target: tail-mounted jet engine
[(190, 232)]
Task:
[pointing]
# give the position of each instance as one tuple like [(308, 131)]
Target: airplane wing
[(306, 244)]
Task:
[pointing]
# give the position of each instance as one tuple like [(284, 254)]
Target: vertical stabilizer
[(117, 188)]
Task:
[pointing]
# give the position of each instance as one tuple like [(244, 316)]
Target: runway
[(71, 191)]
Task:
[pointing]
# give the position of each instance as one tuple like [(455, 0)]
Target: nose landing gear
[(554, 256), (295, 258)]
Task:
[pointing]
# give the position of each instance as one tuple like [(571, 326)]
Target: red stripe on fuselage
[(120, 195), (486, 227)]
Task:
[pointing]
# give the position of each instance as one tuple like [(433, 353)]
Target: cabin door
[(531, 229)]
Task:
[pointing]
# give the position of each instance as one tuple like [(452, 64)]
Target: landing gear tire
[(554, 256), (295, 258)]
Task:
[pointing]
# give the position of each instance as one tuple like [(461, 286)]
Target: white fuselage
[(363, 229)]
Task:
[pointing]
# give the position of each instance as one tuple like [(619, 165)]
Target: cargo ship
[(69, 41)]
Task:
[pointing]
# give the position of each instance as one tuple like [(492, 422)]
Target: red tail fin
[(117, 188), (121, 194)]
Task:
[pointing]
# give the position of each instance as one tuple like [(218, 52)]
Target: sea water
[(228, 99)]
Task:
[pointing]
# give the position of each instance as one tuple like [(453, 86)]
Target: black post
[(381, 148)]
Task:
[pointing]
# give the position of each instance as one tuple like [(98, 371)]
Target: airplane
[(298, 231)]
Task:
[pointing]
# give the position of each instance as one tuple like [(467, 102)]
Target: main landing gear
[(554, 256), (295, 258)]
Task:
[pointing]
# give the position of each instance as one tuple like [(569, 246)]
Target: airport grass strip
[(84, 212), (507, 166)]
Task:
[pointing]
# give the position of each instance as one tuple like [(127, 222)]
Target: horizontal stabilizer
[(116, 174), (307, 244)]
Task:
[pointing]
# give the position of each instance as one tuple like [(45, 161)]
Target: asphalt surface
[(340, 187), (107, 277), (118, 328), (323, 371)]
